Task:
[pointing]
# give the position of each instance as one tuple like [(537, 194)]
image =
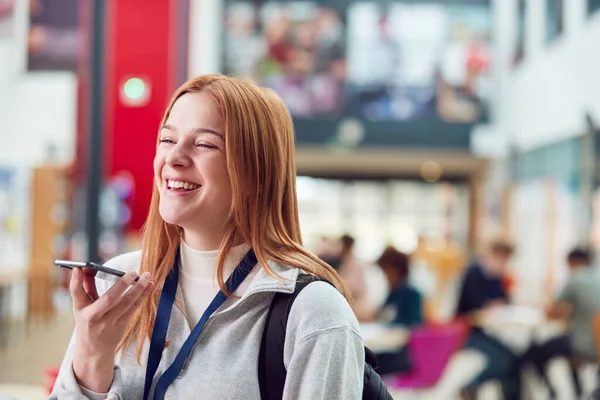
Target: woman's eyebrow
[(211, 131), (197, 130)]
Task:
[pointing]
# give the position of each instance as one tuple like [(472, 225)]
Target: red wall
[(139, 43)]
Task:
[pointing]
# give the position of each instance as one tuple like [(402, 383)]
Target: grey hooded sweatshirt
[(323, 352)]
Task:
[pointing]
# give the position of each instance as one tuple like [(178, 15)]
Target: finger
[(78, 293), (89, 271), (131, 298), (114, 294), (126, 316), (89, 284)]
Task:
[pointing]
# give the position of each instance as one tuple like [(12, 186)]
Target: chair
[(431, 348), (50, 376), (578, 362), (596, 326)]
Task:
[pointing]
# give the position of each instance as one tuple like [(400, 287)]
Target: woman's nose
[(178, 156)]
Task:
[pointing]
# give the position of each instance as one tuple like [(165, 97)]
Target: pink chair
[(430, 348), (50, 376)]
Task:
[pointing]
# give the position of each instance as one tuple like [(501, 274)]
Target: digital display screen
[(382, 61)]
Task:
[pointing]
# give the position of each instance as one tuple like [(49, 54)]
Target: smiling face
[(190, 168)]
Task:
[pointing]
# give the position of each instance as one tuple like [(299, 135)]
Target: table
[(513, 316), (22, 392), (519, 326), (381, 337)]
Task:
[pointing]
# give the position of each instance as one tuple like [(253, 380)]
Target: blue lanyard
[(163, 315)]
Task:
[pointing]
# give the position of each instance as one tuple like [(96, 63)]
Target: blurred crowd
[(328, 62), (480, 302)]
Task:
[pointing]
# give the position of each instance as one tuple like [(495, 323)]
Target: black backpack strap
[(370, 358), (270, 359)]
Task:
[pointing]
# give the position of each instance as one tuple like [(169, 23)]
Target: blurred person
[(328, 86), (464, 64), (482, 289), (403, 306), (305, 35), (224, 195), (330, 29), (351, 269), (6, 18), (294, 83), (329, 252), (385, 60), (302, 63), (276, 34), (245, 48), (404, 301), (456, 105), (578, 302)]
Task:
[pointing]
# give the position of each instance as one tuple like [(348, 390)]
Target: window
[(554, 19)]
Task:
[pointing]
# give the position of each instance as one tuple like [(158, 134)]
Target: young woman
[(221, 238)]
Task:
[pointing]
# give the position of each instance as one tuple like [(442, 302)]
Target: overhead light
[(351, 132), (431, 171)]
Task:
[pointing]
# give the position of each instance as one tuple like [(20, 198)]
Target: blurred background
[(429, 126)]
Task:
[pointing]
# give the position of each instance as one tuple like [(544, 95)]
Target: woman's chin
[(173, 219)]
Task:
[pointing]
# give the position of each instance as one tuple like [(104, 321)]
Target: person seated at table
[(404, 302), (578, 302), (403, 306), (482, 289)]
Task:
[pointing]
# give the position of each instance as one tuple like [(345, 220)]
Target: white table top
[(381, 337), (514, 315), (22, 392)]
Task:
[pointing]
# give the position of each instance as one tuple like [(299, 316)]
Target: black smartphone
[(88, 264)]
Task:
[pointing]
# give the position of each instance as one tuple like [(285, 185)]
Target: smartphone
[(88, 264)]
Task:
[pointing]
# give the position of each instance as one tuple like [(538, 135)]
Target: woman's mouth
[(181, 186)]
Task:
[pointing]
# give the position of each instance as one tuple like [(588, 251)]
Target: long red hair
[(259, 146)]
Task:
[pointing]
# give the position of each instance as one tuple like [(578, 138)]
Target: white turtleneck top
[(198, 279)]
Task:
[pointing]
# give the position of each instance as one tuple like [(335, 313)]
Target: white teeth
[(181, 185)]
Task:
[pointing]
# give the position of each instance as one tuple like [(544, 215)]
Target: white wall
[(544, 99), (41, 113)]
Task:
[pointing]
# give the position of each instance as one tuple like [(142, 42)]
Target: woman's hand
[(100, 323)]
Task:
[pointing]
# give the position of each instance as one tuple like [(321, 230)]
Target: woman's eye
[(169, 141), (207, 145)]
